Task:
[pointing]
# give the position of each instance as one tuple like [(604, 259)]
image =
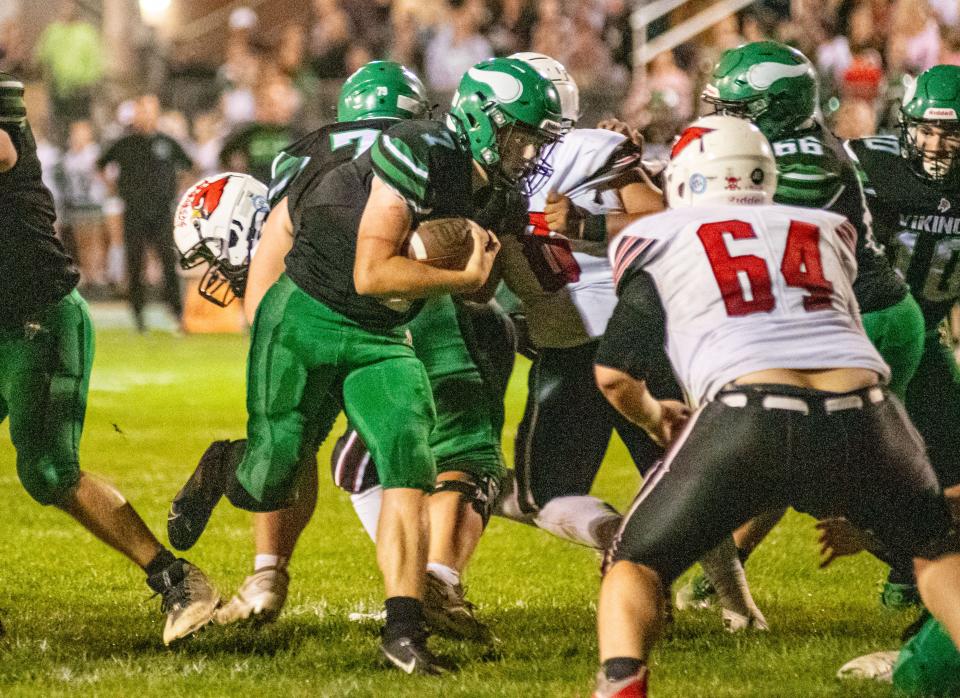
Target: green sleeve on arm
[(399, 166), (284, 171)]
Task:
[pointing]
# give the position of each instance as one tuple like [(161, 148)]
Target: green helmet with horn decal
[(508, 114), (769, 83)]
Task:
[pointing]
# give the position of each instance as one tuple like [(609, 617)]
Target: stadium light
[(154, 11)]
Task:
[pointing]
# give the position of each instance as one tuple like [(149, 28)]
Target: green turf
[(80, 620)]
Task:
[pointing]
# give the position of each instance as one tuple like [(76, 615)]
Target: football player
[(46, 355), (465, 348), (913, 184), (775, 86), (763, 328), (332, 325)]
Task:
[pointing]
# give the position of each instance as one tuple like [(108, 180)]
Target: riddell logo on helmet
[(939, 113)]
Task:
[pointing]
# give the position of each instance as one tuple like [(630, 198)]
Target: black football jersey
[(320, 151), (814, 171), (35, 271), (919, 222), (424, 164)]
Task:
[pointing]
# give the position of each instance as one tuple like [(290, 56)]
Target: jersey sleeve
[(422, 163), (628, 253), (283, 171)]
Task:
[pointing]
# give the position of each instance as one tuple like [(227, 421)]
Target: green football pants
[(303, 357), (897, 333), (44, 377), (929, 664)]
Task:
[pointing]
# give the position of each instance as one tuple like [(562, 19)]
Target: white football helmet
[(720, 160), (218, 221), (554, 71)]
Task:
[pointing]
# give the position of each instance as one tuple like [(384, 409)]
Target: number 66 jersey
[(748, 288)]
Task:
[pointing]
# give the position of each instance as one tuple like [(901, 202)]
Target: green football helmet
[(509, 115), (12, 107), (930, 125), (382, 90), (771, 84)]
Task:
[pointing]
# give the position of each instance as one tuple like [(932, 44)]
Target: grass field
[(80, 621)]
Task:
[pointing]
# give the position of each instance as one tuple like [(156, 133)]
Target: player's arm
[(8, 152), (634, 336), (276, 239), (638, 195), (381, 270)]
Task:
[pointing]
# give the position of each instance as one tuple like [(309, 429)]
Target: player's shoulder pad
[(404, 155), (878, 160), (824, 220)]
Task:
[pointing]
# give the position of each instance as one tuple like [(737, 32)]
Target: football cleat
[(259, 599), (899, 596), (877, 666), (412, 656), (734, 622), (187, 597), (631, 687), (192, 506), (449, 613), (698, 593)]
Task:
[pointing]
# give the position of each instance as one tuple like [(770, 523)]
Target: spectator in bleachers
[(70, 54), (456, 45), (407, 39), (252, 147), (241, 67), (553, 31), (148, 164), (914, 42), (84, 194), (13, 50), (589, 60), (856, 118), (512, 27), (207, 142), (291, 58), (332, 35)]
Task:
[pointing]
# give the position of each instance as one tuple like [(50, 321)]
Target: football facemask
[(218, 222)]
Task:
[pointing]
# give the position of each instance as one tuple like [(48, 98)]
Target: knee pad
[(45, 482), (479, 492)]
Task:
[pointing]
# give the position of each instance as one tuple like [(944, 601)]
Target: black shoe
[(411, 655), (191, 508)]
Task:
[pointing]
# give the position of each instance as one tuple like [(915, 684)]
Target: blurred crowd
[(270, 84)]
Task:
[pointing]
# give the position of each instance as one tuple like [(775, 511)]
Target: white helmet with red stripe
[(721, 160), (218, 222)]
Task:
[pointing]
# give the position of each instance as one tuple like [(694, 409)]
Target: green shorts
[(929, 664), (44, 378), (306, 360), (897, 333), (466, 437)]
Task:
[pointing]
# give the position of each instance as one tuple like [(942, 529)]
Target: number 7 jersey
[(748, 288)]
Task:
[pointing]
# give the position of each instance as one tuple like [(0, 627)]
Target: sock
[(262, 561), (367, 506), (580, 519), (164, 571), (404, 617), (448, 575), (619, 668), (161, 561)]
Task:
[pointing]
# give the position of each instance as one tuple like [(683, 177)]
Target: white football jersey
[(580, 310), (748, 288)]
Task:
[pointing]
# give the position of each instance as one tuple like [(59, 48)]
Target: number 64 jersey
[(748, 288)]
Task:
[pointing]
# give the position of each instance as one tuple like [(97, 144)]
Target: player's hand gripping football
[(562, 216), (485, 249)]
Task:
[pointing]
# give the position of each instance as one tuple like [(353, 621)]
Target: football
[(445, 243)]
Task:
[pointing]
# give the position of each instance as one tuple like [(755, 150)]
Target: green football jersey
[(918, 221), (813, 171)]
